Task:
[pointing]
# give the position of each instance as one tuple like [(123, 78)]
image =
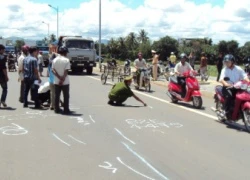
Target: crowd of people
[(30, 68)]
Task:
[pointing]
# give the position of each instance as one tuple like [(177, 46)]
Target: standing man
[(155, 64), (191, 59), (3, 76), (219, 65), (25, 52), (40, 63), (139, 63), (172, 58), (30, 74), (60, 67)]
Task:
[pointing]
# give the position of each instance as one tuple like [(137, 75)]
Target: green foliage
[(19, 44), (165, 46)]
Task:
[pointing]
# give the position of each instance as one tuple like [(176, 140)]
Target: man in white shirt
[(179, 69), (235, 74), (139, 63), (25, 53), (60, 67)]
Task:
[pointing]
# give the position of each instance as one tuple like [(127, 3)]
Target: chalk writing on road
[(108, 166), (81, 120), (13, 130), (151, 123)]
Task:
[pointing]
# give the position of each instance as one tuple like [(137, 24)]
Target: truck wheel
[(89, 70)]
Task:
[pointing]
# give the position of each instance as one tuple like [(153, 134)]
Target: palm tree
[(131, 40), (112, 46), (143, 36)]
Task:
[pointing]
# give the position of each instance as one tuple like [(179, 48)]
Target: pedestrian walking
[(3, 76), (60, 67), (31, 77), (191, 59), (203, 66), (25, 53), (172, 59), (219, 65)]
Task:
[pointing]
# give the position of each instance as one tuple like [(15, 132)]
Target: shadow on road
[(82, 74), (8, 108), (189, 105), (126, 106), (234, 126)]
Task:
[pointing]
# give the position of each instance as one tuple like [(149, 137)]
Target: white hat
[(172, 52), (153, 51)]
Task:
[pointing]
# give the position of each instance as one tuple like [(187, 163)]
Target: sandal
[(4, 104)]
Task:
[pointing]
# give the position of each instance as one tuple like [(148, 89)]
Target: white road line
[(91, 118), (118, 159), (167, 102), (76, 139), (60, 139), (144, 161), (119, 132)]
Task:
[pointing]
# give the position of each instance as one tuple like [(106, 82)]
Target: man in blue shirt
[(30, 73)]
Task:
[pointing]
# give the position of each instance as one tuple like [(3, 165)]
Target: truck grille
[(80, 58)]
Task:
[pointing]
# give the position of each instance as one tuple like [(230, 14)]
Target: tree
[(19, 44), (245, 50), (232, 47), (165, 46), (113, 48), (222, 47), (143, 36), (131, 41), (52, 38)]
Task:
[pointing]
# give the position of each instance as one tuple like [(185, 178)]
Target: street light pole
[(48, 27), (57, 10), (100, 28)]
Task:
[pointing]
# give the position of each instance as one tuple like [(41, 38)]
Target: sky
[(216, 19)]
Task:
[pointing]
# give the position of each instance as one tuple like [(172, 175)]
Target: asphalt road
[(161, 141)]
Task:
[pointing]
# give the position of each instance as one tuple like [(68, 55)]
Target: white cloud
[(179, 18)]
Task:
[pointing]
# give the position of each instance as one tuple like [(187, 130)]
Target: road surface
[(99, 141)]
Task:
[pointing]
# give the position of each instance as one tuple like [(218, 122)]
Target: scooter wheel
[(197, 102)]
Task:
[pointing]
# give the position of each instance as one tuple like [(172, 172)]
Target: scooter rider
[(235, 74), (139, 63), (179, 69)]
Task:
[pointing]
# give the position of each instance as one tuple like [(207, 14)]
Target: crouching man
[(121, 91)]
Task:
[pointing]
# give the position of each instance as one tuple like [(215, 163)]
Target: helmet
[(183, 55), (63, 49), (229, 57), (25, 48)]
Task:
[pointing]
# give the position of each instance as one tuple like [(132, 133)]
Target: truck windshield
[(78, 44)]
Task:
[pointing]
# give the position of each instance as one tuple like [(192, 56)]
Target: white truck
[(81, 52)]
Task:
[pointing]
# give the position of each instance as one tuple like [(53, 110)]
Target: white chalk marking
[(91, 119), (150, 107), (85, 124), (144, 161), (158, 131), (77, 140), (167, 102), (119, 132), (8, 130), (143, 175), (108, 166), (34, 112), (60, 139), (79, 119)]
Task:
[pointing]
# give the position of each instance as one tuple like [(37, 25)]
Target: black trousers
[(229, 95), (219, 72), (182, 82), (65, 90), (29, 85), (21, 91)]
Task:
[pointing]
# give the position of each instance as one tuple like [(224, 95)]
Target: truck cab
[(81, 52)]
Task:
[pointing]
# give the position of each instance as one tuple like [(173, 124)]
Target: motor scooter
[(240, 108), (175, 91), (145, 76)]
